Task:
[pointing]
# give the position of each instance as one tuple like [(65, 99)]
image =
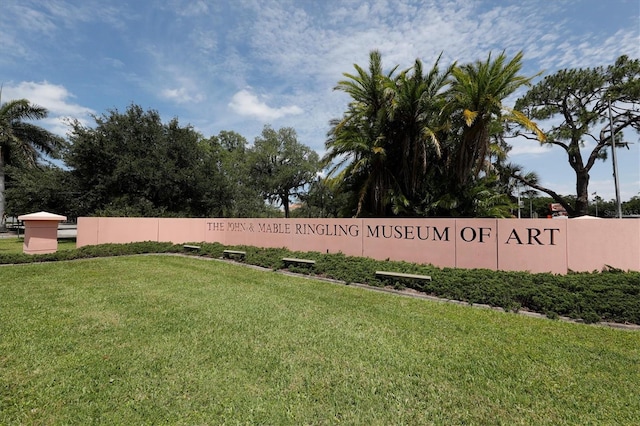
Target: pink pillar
[(40, 232)]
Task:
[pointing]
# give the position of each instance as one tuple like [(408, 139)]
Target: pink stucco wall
[(178, 231), (595, 243), (87, 234), (536, 245), (40, 232), (476, 243), (40, 237), (414, 240), (322, 236)]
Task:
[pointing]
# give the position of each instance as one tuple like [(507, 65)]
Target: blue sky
[(240, 64)]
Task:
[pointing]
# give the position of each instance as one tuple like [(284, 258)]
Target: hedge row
[(609, 295)]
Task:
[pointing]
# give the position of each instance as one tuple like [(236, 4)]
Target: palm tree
[(387, 137), (362, 153), (22, 142), (416, 101), (475, 101), (359, 140)]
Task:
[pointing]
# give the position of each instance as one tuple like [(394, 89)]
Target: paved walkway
[(64, 231)]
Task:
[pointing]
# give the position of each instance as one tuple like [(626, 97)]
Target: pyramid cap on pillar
[(42, 216)]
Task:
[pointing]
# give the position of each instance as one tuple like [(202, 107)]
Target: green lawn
[(14, 244), (176, 340)]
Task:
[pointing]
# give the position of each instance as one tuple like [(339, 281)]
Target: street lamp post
[(530, 207), (615, 164)]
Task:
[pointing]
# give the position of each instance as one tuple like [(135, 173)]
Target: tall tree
[(416, 129), (322, 200), (475, 100), (358, 140), (281, 166), (46, 187), (133, 164), (578, 100), (245, 199), (21, 141), (388, 137)]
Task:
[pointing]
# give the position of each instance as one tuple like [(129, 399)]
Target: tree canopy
[(576, 101), (281, 166), (414, 142), (245, 197), (418, 143), (132, 164)]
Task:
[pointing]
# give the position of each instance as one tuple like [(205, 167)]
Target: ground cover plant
[(610, 295), (179, 340)]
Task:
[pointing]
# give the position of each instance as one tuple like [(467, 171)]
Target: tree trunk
[(285, 203), (558, 199), (582, 193)]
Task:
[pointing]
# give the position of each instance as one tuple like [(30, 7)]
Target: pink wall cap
[(42, 216)]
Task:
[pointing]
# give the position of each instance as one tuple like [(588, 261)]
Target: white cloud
[(51, 96), (55, 98), (206, 40), (35, 20), (113, 63), (182, 95), (591, 52), (247, 104), (528, 147)]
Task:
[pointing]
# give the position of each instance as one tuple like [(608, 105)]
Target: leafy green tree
[(21, 142), (482, 197), (632, 206), (195, 184), (609, 209), (245, 199), (134, 165), (281, 166), (577, 103), (323, 199), (46, 187), (470, 178), (528, 195), (596, 205), (417, 129)]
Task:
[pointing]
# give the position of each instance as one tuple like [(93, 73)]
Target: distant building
[(557, 211)]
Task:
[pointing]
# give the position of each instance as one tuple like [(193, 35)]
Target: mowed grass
[(176, 340), (15, 244)]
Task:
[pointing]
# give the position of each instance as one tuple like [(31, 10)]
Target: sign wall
[(536, 245)]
